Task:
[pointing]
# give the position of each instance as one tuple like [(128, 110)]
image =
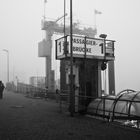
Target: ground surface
[(23, 118)]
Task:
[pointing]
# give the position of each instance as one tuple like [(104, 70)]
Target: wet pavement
[(23, 118)]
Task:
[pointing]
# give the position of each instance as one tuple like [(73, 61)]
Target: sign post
[(72, 93)]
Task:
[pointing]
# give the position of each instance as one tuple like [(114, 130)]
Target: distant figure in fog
[(57, 95), (1, 89), (46, 93)]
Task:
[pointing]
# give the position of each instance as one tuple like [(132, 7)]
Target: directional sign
[(60, 46), (82, 47), (90, 45)]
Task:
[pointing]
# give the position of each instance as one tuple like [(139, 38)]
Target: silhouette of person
[(1, 89), (57, 95), (46, 93)]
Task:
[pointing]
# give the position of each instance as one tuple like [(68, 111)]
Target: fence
[(31, 91)]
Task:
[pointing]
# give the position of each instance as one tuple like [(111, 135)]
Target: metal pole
[(64, 15), (85, 56), (71, 65), (106, 64), (104, 44), (85, 77), (7, 64)]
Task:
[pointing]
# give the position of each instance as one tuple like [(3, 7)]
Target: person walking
[(46, 93), (57, 95), (1, 89)]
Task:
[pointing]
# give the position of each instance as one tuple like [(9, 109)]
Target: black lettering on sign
[(88, 50), (59, 44), (102, 48), (83, 41), (81, 49)]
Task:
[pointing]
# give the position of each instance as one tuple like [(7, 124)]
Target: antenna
[(45, 1)]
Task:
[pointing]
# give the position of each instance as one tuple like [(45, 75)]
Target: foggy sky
[(20, 32)]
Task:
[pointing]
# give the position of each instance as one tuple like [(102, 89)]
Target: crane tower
[(45, 46)]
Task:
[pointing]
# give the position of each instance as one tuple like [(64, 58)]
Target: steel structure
[(124, 106), (90, 83), (50, 28), (90, 57)]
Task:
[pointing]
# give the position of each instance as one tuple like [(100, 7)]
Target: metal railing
[(108, 108)]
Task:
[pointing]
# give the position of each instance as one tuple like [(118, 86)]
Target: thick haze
[(20, 32)]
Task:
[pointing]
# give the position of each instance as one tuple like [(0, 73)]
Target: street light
[(7, 64), (104, 65), (103, 36)]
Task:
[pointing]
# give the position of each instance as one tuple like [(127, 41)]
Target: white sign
[(60, 47), (82, 47)]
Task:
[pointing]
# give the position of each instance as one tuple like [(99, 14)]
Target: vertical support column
[(46, 71), (48, 59), (99, 80), (111, 77), (63, 77), (76, 82)]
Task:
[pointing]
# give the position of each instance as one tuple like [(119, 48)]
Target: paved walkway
[(23, 118)]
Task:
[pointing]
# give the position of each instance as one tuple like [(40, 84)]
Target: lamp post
[(7, 64), (104, 36), (103, 66), (64, 15)]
